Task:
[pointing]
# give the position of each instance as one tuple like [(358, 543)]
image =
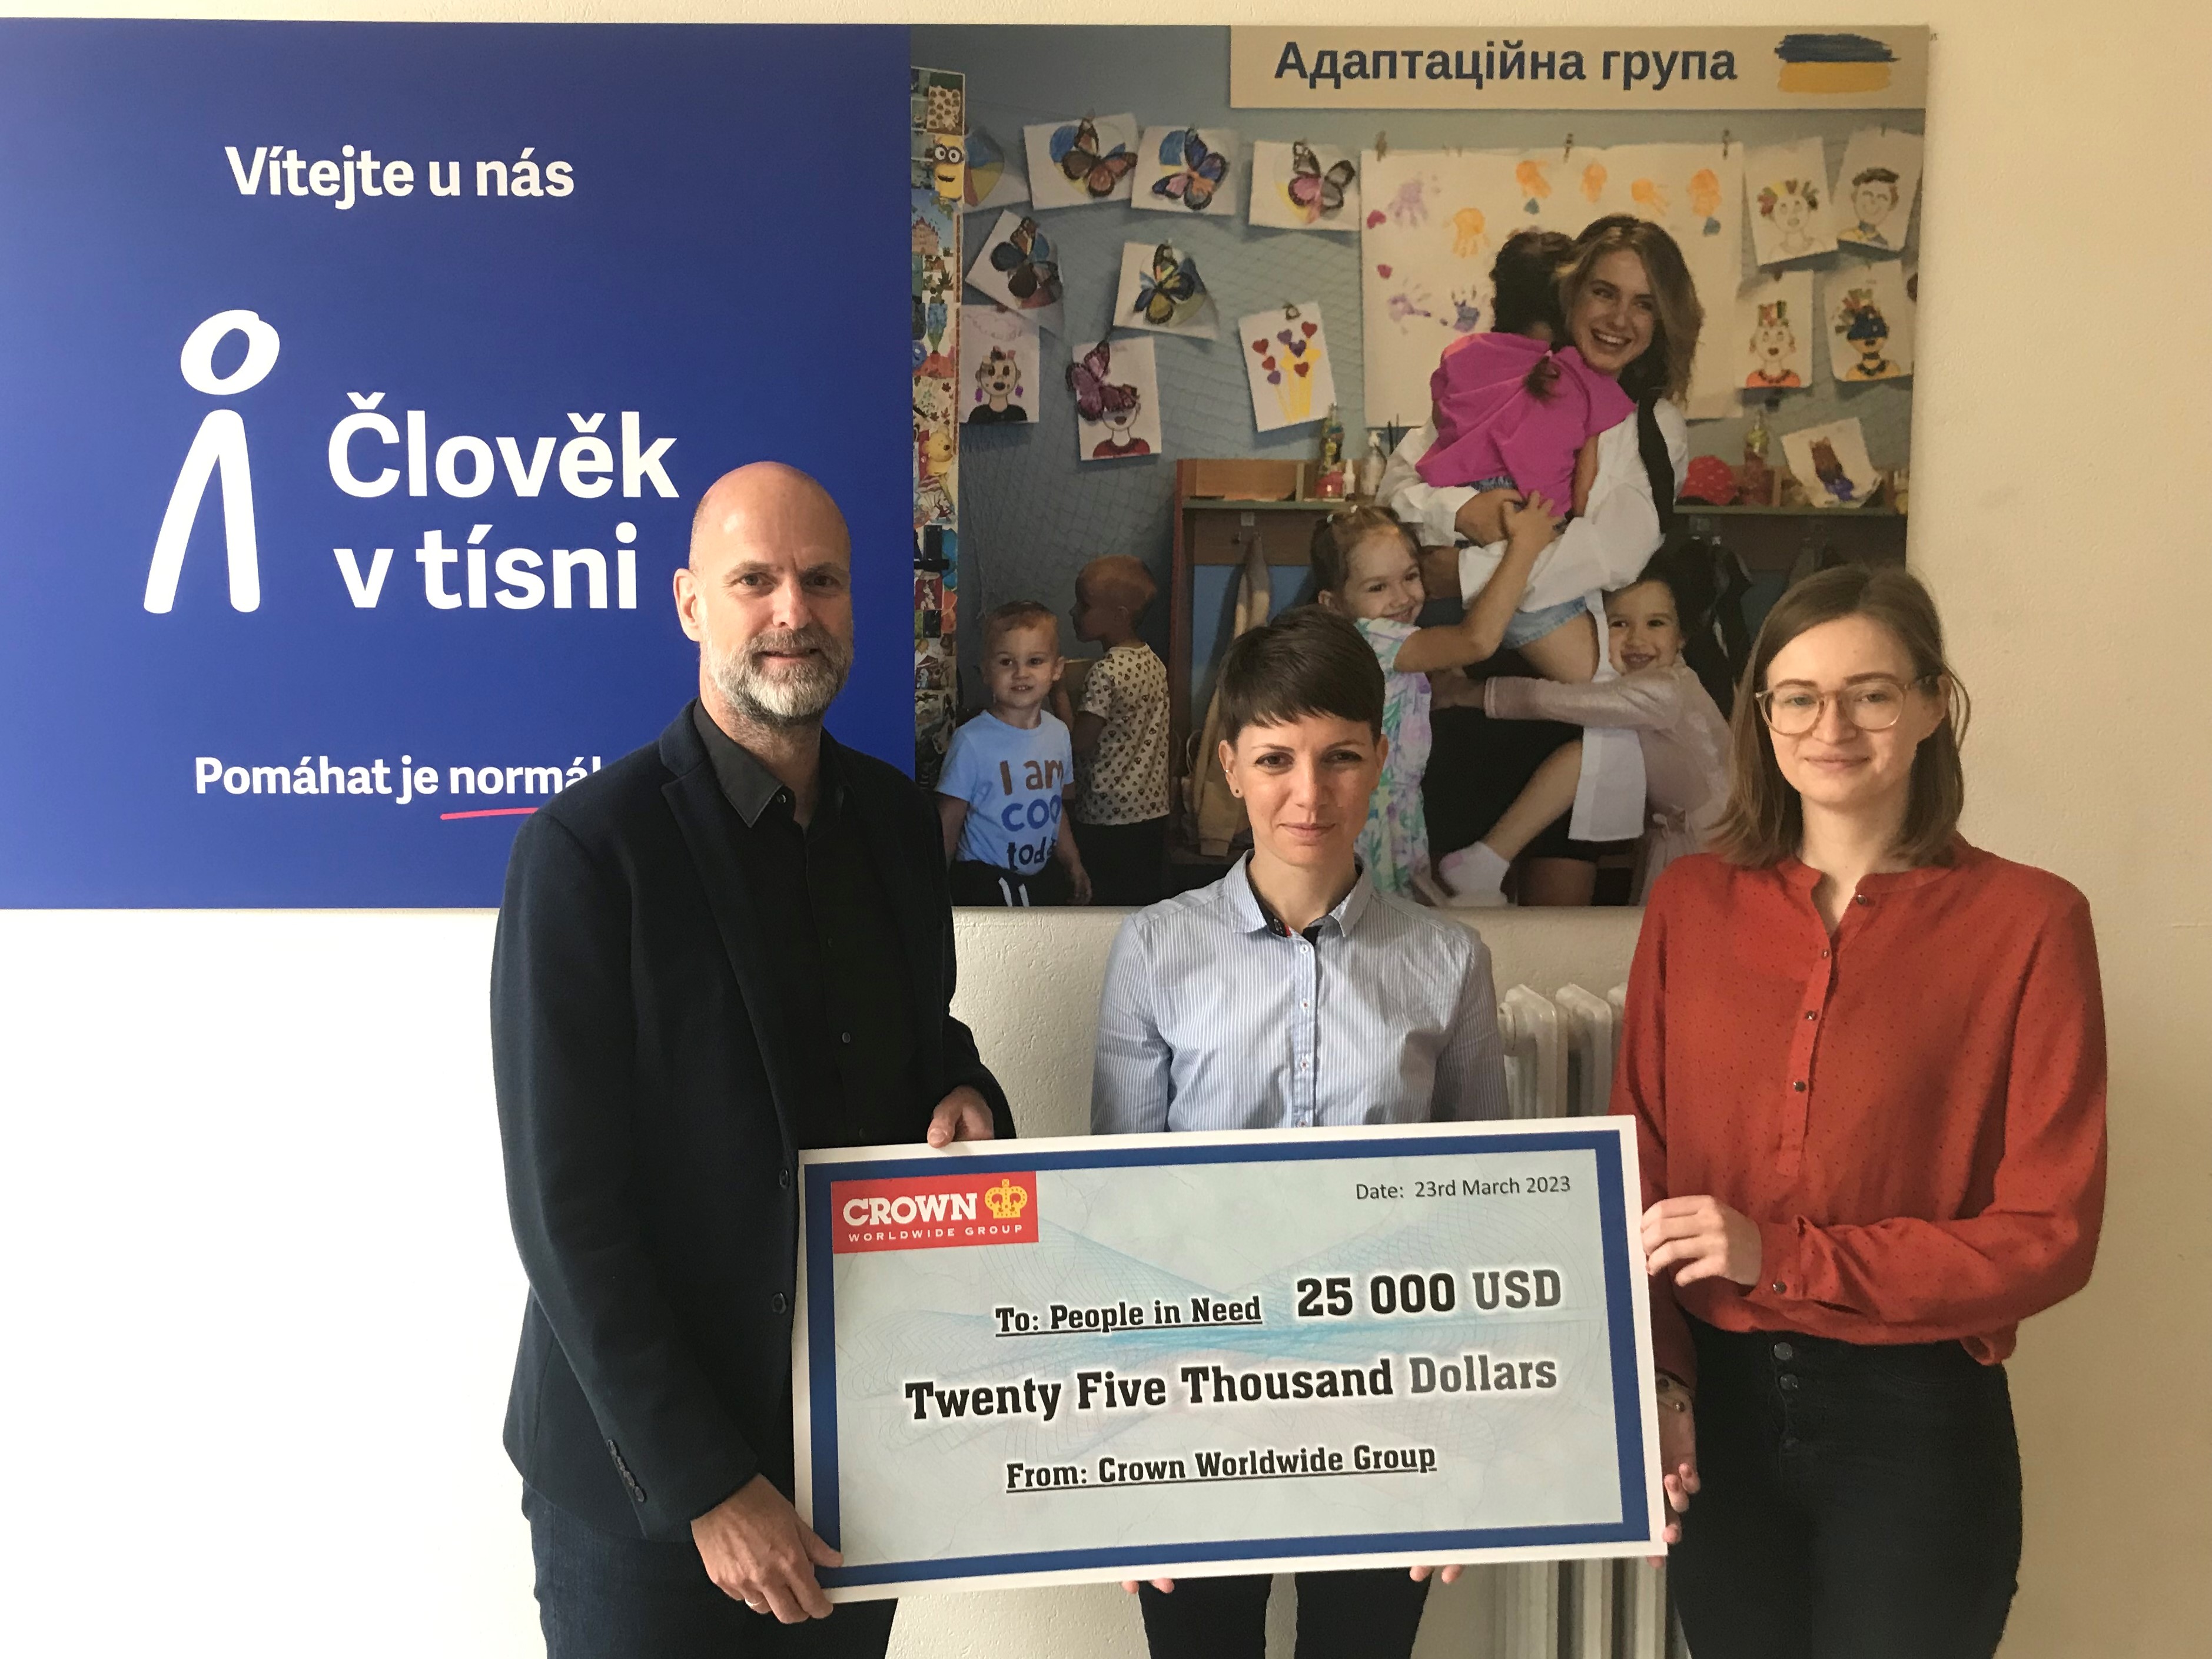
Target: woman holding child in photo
[(1629, 311), (1867, 1065)]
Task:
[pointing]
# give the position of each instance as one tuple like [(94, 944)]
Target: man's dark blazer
[(648, 1093)]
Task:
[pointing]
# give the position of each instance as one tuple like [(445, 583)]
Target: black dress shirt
[(823, 901)]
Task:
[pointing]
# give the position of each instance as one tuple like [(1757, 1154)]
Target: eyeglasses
[(1872, 705)]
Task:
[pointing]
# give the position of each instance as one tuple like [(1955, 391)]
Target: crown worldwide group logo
[(925, 1213)]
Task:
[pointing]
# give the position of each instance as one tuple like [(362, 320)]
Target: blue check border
[(1621, 1286)]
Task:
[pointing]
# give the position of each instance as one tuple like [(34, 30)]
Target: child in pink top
[(1510, 411)]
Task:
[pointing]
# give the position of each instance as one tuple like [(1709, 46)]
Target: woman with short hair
[(1867, 1064), (1290, 994)]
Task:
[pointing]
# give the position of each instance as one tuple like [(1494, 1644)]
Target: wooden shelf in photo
[(1772, 540), (1700, 510), (1229, 504)]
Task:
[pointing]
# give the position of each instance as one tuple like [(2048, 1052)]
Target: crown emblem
[(1005, 1201)]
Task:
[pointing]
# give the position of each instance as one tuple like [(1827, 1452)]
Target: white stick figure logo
[(220, 443)]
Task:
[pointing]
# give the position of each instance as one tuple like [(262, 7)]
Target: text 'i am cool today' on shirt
[(1012, 779)]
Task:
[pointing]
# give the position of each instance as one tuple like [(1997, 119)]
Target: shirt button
[(1785, 1352), (1812, 1014), (1861, 898), (1799, 1085), (846, 1036), (1789, 1383), (783, 1177), (1824, 955), (780, 1303), (1776, 1287)]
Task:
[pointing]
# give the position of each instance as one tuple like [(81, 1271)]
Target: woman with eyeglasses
[(1867, 1063)]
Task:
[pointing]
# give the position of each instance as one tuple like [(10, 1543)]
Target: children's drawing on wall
[(1161, 289), (999, 361), (1303, 186), (1287, 360), (1185, 169), (1869, 323), (1831, 462), (937, 125), (1535, 188), (1774, 323), (1875, 187), (1018, 269), (936, 451), (1117, 400), (1705, 198), (1076, 163), (1425, 277), (1467, 241), (995, 179), (1787, 185), (935, 254)]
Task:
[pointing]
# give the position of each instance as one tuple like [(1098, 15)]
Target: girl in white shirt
[(1658, 696)]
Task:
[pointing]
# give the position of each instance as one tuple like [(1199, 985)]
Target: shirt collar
[(747, 785), (1253, 916), (1802, 876)]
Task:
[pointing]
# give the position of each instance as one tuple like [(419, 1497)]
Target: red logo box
[(933, 1213)]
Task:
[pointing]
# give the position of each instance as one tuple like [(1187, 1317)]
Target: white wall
[(267, 1141)]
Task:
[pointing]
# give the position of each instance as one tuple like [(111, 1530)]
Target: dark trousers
[(1127, 862), (1857, 1500), (1370, 1614), (604, 1596), (977, 883)]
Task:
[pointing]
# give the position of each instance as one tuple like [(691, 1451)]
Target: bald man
[(731, 944)]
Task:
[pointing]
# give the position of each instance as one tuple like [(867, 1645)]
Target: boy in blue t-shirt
[(1002, 794)]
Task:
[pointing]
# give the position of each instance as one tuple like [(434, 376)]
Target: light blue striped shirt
[(1211, 1019)]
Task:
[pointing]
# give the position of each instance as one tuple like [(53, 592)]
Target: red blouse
[(1912, 1111)]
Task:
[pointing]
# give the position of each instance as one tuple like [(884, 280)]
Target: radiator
[(1559, 1056)]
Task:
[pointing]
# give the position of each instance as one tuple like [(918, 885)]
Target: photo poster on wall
[(998, 367), (1116, 387), (1185, 169), (1869, 321), (1082, 161), (1435, 220), (1875, 190), (259, 650), (1161, 290), (1831, 461), (1774, 332), (1787, 198), (1287, 365), (1303, 186)]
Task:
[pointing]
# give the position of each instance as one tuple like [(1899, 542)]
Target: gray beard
[(784, 699)]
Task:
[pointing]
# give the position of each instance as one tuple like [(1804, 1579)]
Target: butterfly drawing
[(1317, 193), (1075, 149), (1172, 293), (1200, 175), (1026, 259)]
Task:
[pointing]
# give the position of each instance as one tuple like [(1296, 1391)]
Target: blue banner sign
[(360, 380)]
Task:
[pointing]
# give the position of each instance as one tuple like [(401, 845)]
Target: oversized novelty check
[(1144, 1355)]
